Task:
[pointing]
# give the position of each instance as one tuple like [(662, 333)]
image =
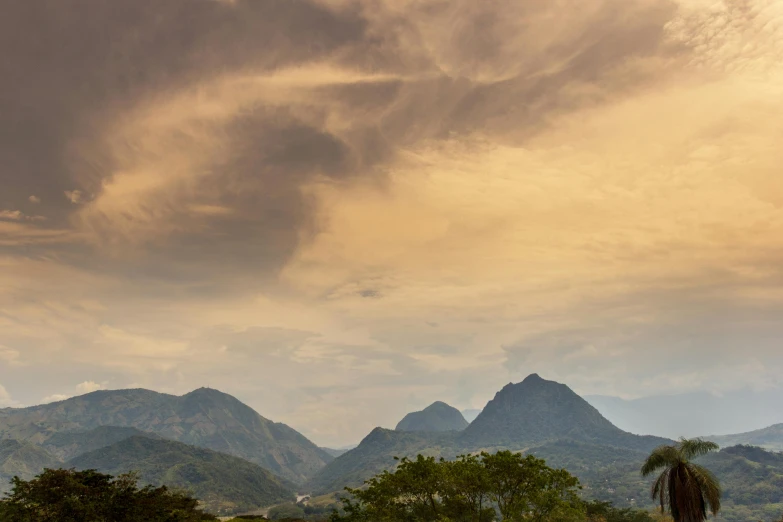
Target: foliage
[(470, 489), (224, 483), (684, 487), (59, 495), (598, 511), (284, 511)]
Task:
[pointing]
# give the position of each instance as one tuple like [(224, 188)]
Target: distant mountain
[(536, 411), (336, 452), (205, 417), (470, 415), (770, 438), (225, 484), (376, 453), (24, 460), (533, 415), (66, 445), (438, 416), (693, 414)]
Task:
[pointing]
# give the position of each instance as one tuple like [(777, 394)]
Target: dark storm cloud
[(73, 70), (70, 66)]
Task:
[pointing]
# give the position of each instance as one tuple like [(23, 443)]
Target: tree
[(466, 490), (598, 511), (411, 493), (525, 488), (60, 495), (684, 487)]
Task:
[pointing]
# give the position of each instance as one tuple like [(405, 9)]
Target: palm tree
[(686, 487)]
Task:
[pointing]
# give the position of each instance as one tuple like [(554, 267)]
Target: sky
[(340, 211)]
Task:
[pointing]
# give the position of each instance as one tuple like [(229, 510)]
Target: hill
[(438, 416), (536, 411), (770, 438), (205, 417), (66, 445), (225, 484), (376, 452), (24, 460)]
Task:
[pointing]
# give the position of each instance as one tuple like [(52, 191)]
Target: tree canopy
[(60, 495), (503, 486)]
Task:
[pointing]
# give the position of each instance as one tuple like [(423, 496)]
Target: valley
[(236, 461)]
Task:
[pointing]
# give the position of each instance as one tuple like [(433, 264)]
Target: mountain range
[(205, 418), (693, 414), (234, 459), (520, 417)]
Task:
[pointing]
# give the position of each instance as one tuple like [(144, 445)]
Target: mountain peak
[(535, 411), (438, 416)]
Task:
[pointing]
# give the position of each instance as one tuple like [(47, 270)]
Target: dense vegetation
[(438, 416), (476, 488), (225, 484), (88, 496)]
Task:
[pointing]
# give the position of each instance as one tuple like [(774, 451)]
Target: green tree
[(598, 511), (411, 493), (59, 495), (686, 488), (466, 490), (525, 488)]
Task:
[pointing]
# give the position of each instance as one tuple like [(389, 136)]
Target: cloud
[(590, 192), (74, 196), (90, 386), (9, 356), (5, 397), (54, 398)]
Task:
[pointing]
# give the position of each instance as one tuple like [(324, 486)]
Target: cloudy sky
[(342, 210)]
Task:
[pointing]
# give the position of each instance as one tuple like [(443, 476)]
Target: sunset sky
[(342, 210)]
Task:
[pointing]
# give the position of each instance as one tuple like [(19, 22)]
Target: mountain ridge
[(224, 483), (203, 417), (534, 413)]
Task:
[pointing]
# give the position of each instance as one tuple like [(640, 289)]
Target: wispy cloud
[(590, 191)]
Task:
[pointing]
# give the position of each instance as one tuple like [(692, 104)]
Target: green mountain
[(24, 460), (529, 416), (66, 445), (549, 420), (770, 438), (204, 417), (536, 411), (375, 453), (438, 416), (225, 484)]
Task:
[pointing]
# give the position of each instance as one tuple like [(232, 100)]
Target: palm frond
[(709, 485), (660, 489), (661, 457), (692, 448)]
